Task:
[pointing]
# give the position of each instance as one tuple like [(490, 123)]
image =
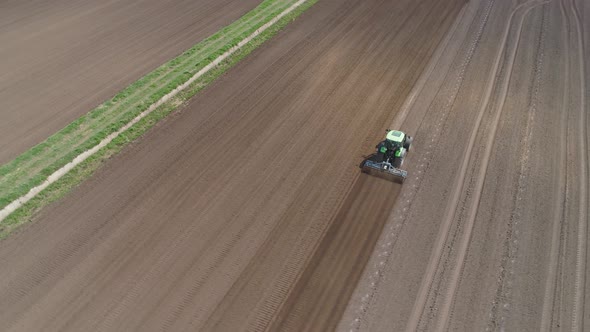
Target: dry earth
[(211, 219), (491, 231), (60, 59), (246, 210)]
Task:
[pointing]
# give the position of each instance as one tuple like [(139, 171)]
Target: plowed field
[(246, 209), (210, 220), (491, 232)]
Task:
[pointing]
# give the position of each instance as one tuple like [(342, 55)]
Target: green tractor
[(389, 156)]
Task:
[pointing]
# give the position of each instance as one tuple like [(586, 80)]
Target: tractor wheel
[(397, 162), (408, 143)]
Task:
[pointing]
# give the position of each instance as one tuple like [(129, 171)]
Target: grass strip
[(33, 166), (81, 172)]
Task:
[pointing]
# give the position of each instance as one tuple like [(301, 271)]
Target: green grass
[(32, 167)]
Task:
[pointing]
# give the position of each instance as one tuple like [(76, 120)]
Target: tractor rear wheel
[(408, 142)]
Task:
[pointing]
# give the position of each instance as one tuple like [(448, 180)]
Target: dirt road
[(215, 218), (61, 59), (491, 233)]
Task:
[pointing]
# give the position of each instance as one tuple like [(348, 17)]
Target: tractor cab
[(395, 136), (394, 140)]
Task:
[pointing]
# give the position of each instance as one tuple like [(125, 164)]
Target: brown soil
[(211, 220), (320, 295), (491, 233), (62, 58), (247, 211)]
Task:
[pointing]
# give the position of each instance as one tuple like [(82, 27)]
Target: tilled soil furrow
[(580, 280), (334, 256), (555, 266), (245, 210), (209, 220), (453, 204), (465, 240)]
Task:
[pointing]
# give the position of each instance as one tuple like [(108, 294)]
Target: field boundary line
[(55, 176)]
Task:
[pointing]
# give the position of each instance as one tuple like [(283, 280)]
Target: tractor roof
[(395, 135)]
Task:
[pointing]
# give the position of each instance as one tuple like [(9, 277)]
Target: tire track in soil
[(394, 230), (435, 261), (580, 279), (523, 174), (446, 311), (558, 232)]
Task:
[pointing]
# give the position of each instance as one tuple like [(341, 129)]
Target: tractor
[(389, 157)]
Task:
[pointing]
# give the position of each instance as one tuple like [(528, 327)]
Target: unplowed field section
[(235, 213), (62, 58)]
